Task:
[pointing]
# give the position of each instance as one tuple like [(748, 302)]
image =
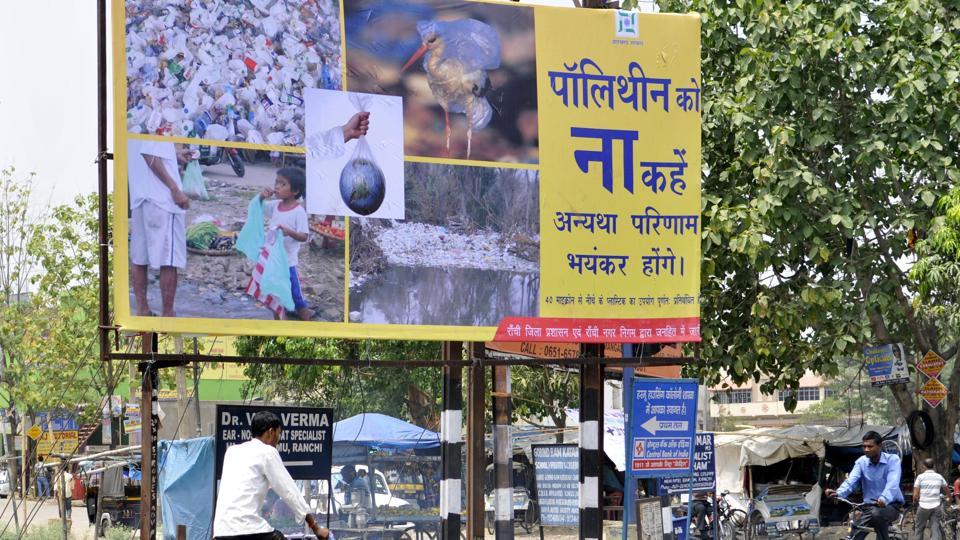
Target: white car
[(382, 494), (4, 483)]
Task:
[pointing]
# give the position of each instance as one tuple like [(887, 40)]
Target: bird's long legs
[(447, 129), (469, 137)]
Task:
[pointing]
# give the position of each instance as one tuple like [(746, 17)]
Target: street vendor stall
[(775, 474), (386, 449)]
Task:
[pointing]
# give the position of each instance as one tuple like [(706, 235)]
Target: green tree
[(543, 392), (828, 130), (17, 265), (411, 393), (48, 324)]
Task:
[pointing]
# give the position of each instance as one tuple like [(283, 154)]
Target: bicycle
[(730, 520), (894, 532)]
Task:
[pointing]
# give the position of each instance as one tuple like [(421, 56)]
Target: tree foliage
[(829, 130), (413, 393)]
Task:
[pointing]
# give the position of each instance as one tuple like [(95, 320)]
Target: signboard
[(34, 432), (306, 441), (57, 422), (650, 519), (555, 198), (704, 469), (886, 364), (58, 442), (131, 420), (933, 392), (662, 427), (557, 474), (931, 364)]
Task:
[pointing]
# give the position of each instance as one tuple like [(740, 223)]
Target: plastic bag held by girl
[(251, 236), (362, 184)]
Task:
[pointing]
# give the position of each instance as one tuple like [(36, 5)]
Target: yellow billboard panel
[(407, 170), (58, 442)]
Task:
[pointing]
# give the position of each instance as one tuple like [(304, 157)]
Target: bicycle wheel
[(733, 525)]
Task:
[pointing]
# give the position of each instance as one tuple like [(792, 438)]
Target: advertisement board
[(557, 473), (412, 170), (662, 427), (886, 364), (704, 477), (306, 440)]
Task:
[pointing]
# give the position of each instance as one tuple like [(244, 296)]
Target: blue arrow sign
[(662, 426)]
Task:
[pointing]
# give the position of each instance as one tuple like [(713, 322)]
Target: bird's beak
[(416, 56)]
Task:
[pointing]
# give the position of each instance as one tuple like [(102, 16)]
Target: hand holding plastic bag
[(362, 183), (252, 237), (275, 280), (193, 182)]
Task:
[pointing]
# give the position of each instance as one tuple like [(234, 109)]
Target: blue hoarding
[(704, 469), (663, 422)]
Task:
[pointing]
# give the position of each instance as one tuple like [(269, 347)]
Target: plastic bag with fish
[(362, 184)]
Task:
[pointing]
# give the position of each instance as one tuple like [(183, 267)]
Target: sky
[(48, 95)]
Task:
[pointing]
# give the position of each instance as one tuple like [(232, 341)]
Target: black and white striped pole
[(502, 455), (451, 443), (591, 444)]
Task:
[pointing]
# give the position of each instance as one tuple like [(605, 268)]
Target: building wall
[(745, 404)]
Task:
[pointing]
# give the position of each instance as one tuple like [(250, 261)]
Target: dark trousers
[(699, 512), (878, 519)]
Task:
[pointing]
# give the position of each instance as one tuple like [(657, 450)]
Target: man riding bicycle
[(878, 476)]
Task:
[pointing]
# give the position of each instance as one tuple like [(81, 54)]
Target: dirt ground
[(213, 286)]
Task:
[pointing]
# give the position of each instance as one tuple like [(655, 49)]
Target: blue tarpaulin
[(186, 487), (380, 430)]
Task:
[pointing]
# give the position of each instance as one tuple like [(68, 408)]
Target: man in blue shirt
[(878, 476)]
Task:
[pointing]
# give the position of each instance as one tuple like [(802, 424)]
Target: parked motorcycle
[(210, 157)]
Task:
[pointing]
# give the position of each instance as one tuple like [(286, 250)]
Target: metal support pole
[(102, 189), (63, 498), (502, 454), (591, 443), (451, 420), (196, 388), (148, 449), (476, 459)]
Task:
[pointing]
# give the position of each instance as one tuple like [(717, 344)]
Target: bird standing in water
[(458, 55)]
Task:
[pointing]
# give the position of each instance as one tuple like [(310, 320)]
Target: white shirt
[(250, 470), (143, 184), (294, 219), (931, 485)]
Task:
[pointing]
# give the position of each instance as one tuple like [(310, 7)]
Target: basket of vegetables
[(207, 239)]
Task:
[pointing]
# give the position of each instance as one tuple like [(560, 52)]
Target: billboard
[(414, 170)]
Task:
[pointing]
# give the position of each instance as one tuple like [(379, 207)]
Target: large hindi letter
[(605, 154)]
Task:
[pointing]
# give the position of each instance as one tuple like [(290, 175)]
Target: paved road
[(45, 514)]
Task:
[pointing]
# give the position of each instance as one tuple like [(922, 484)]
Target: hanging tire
[(915, 421)]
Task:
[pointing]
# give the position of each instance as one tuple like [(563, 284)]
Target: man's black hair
[(873, 436), (262, 421), (297, 179)]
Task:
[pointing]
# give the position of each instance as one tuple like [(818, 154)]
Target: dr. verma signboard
[(306, 441), (662, 426), (312, 169)]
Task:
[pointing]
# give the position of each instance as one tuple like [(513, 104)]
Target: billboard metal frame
[(149, 361)]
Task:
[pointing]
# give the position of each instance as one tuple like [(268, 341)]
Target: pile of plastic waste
[(228, 69)]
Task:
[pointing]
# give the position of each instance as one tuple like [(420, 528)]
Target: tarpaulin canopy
[(186, 486), (769, 446), (853, 436), (614, 434), (760, 447), (380, 430)]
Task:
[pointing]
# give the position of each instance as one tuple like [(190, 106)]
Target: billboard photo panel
[(471, 170)]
